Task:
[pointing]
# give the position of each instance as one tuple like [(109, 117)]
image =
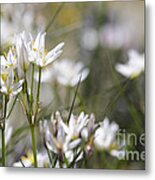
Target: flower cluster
[(71, 142), (9, 86), (74, 140), (27, 50)]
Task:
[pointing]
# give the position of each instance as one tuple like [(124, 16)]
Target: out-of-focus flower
[(89, 39), (120, 154), (134, 67), (11, 20), (69, 72), (114, 36), (39, 55), (105, 135), (28, 160), (8, 84), (64, 72)]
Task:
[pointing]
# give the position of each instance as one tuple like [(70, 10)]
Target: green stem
[(34, 145), (32, 82), (3, 147), (3, 131), (11, 109), (26, 88), (38, 95)]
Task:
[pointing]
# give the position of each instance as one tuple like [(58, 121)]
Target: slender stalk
[(34, 145), (32, 82), (38, 95), (3, 131), (11, 109), (33, 123), (3, 147), (26, 88)]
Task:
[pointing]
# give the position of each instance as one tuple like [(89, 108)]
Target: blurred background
[(99, 35)]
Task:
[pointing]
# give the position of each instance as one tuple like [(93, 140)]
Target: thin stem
[(38, 96), (26, 88), (3, 147), (34, 145), (54, 17), (11, 109), (32, 82), (74, 98), (3, 131)]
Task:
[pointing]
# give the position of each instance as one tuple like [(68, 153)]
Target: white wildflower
[(9, 61), (56, 138), (68, 72), (39, 54), (8, 84), (105, 135), (134, 67), (22, 42), (28, 160)]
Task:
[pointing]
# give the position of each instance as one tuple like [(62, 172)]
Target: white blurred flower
[(105, 135), (89, 39), (11, 20), (65, 72), (28, 160), (120, 154), (8, 84), (134, 67), (69, 72), (39, 55), (114, 36)]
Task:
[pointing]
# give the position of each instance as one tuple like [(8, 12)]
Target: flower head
[(28, 160), (38, 53), (134, 67), (105, 135), (22, 43), (9, 61), (68, 72), (8, 84)]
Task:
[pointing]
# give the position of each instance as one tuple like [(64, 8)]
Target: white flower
[(62, 138), (28, 160), (105, 135), (22, 43), (134, 67), (77, 124), (8, 62), (8, 84), (39, 54), (65, 72), (88, 130), (89, 39), (56, 138), (69, 72), (120, 154)]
